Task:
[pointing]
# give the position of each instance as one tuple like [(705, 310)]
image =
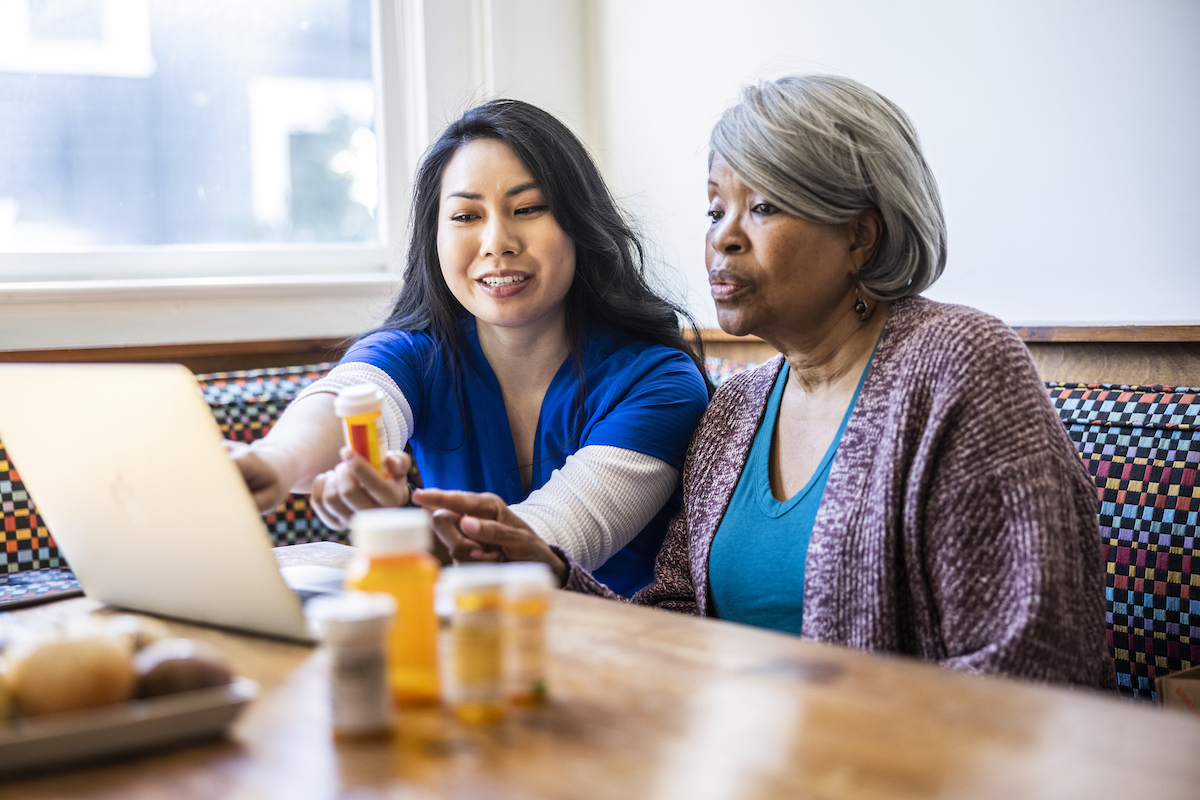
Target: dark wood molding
[(198, 357), (1046, 333), (1110, 333)]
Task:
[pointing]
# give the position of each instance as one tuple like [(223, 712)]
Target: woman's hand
[(481, 527), (354, 485), (263, 470)]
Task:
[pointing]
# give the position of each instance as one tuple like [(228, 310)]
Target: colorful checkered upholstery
[(1142, 446), (27, 543)]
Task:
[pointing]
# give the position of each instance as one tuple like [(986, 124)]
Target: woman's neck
[(527, 357), (828, 358)]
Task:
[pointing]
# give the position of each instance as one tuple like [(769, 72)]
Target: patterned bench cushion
[(1142, 446)]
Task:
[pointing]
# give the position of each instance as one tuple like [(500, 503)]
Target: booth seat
[(1141, 444)]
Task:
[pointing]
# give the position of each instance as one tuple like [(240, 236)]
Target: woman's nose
[(499, 239), (727, 235)]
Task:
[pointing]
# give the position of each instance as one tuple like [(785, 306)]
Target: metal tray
[(71, 739)]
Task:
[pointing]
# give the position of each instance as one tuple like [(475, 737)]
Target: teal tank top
[(757, 561)]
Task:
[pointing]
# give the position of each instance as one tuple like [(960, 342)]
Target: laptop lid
[(125, 463)]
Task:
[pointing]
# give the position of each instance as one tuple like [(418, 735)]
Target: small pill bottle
[(393, 557), (353, 626), (528, 587), (475, 675), (361, 410)]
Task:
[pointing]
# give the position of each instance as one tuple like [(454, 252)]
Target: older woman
[(896, 480)]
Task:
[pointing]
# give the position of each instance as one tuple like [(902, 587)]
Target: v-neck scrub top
[(636, 395)]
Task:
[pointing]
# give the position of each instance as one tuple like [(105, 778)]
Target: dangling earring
[(860, 306)]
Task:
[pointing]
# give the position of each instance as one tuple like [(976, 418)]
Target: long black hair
[(610, 273)]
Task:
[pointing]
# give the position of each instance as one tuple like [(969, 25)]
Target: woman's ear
[(868, 230)]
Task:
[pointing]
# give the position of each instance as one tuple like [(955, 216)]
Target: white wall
[(1064, 134)]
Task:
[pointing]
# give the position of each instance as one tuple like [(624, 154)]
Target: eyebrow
[(513, 192)]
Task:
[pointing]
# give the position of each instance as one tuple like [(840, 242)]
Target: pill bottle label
[(361, 703), (364, 432), (525, 650)]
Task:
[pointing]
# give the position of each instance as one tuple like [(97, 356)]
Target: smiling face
[(502, 253), (772, 273)]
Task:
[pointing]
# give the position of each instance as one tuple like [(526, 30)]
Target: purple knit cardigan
[(958, 524)]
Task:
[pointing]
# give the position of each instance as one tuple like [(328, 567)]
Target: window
[(181, 137)]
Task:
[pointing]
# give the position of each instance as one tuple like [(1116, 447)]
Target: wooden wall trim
[(1047, 333), (201, 357), (1110, 333)]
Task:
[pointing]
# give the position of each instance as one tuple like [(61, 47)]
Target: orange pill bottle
[(394, 558), (361, 410)]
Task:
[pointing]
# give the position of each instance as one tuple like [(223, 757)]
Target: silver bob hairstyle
[(826, 148)]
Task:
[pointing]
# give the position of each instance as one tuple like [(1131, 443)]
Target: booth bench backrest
[(1141, 445)]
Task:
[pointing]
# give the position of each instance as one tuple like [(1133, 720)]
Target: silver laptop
[(125, 463)]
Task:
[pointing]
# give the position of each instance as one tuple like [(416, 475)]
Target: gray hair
[(826, 148)]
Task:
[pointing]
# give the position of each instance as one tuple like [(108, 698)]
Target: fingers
[(329, 508), (460, 547), (369, 488), (397, 464), (475, 504), (262, 479)]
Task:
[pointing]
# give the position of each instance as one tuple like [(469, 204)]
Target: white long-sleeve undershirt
[(599, 500)]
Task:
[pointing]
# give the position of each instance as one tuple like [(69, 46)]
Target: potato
[(180, 665), (69, 674)]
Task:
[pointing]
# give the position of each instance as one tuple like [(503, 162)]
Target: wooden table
[(648, 704)]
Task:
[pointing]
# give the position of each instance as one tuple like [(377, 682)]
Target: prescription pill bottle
[(393, 557), (475, 675), (353, 626), (361, 410), (528, 588)]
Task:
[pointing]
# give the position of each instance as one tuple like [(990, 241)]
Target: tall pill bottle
[(394, 558), (528, 587), (361, 410), (353, 626), (475, 674)]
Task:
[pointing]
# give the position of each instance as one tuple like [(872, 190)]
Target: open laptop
[(127, 467)]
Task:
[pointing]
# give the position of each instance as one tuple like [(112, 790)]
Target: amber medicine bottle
[(528, 588), (475, 674), (361, 410), (394, 558)]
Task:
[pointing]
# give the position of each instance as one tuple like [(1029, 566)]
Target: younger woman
[(526, 357)]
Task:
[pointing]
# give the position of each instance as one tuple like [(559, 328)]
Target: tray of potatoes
[(110, 687)]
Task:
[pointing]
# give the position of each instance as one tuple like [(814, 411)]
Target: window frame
[(99, 277)]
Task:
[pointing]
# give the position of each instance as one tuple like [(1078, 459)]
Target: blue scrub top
[(636, 395)]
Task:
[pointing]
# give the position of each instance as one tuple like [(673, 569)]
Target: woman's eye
[(765, 209), (715, 214), (529, 210), (464, 217)]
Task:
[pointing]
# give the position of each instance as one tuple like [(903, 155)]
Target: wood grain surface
[(649, 704)]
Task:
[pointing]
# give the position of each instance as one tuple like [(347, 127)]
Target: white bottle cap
[(379, 531), (351, 616), (526, 578), (361, 399), (471, 576)]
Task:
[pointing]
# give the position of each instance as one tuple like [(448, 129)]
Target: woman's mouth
[(503, 285), (722, 290)]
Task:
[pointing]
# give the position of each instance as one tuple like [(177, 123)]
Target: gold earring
[(860, 306)]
